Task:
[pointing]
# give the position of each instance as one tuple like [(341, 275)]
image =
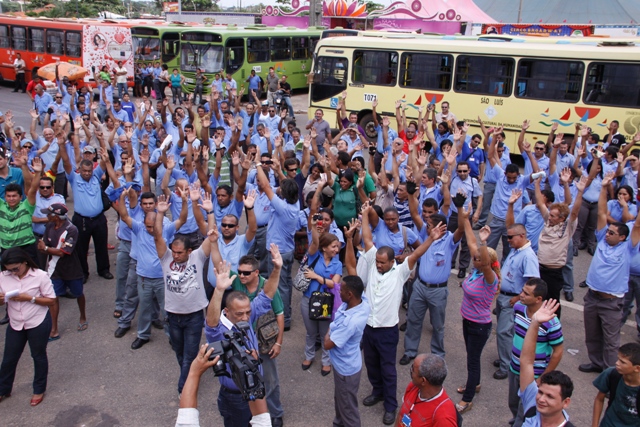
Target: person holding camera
[(239, 308)]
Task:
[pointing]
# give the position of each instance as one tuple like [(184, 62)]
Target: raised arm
[(350, 256), (367, 236), (602, 201), (434, 234), (161, 245), (539, 200), (223, 282), (271, 284), (523, 131), (528, 353), (36, 165), (515, 196)]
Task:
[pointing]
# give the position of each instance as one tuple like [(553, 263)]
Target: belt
[(602, 295), (230, 391), (38, 235), (263, 226), (588, 202), (88, 217), (509, 294), (434, 285)]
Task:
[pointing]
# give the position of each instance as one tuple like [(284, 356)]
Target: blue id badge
[(406, 420)]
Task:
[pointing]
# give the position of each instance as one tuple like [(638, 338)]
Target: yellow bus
[(590, 83)]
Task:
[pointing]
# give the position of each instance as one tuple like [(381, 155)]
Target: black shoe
[(287, 328), (589, 367), (582, 246), (158, 324), (84, 279), (389, 418), (276, 422), (575, 252), (568, 296), (139, 342), (372, 400), (500, 375), (496, 363), (403, 327), (107, 275), (120, 332), (462, 273), (4, 320), (583, 284), (591, 251), (15, 90), (405, 360)]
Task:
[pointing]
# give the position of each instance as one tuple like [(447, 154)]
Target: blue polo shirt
[(435, 264), (230, 252), (14, 177), (558, 189), (391, 135), (592, 192), (346, 332), (474, 156), (87, 196), (320, 268), (615, 209), (543, 165), (42, 203), (565, 161), (609, 269), (283, 224), (382, 236), (176, 206), (261, 206), (108, 95), (233, 208), (520, 265), (503, 191), (634, 263), (261, 143), (121, 115), (489, 175), (469, 186), (42, 102), (533, 221), (49, 156), (148, 261), (434, 192), (168, 232)]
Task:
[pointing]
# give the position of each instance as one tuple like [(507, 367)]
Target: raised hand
[(250, 199), (207, 203), (515, 195), (353, 226), (422, 158), (171, 162), (565, 175), (306, 143), (558, 140), (526, 124), (554, 127), (608, 177), (213, 235), (374, 104), (385, 122), (438, 231), (127, 167), (223, 280), (194, 192), (276, 258), (163, 205), (144, 155), (484, 233), (33, 113), (36, 164), (582, 183), (235, 158), (526, 146), (547, 311), (398, 103)]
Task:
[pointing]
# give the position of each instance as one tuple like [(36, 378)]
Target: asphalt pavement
[(96, 379)]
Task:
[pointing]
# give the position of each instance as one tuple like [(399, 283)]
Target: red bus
[(86, 42)]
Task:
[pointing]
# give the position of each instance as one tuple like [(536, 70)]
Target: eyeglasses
[(511, 236), (45, 187), (28, 146), (245, 273), (272, 111), (463, 171), (17, 133), (226, 225), (13, 270), (611, 233)]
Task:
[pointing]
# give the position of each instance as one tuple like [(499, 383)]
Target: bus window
[(426, 71), (19, 38), (74, 44), (146, 48), (170, 46), (375, 67), (280, 48), (257, 50), (4, 36), (300, 48), (207, 57), (484, 75), (314, 41), (235, 54), (329, 77), (549, 80), (36, 40), (55, 42), (610, 84)]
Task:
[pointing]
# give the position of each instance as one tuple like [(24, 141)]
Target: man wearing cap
[(44, 198), (58, 243)]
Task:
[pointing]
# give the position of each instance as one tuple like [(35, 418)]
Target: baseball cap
[(89, 149), (265, 103), (55, 209)]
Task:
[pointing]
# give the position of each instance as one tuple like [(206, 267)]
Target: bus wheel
[(366, 123)]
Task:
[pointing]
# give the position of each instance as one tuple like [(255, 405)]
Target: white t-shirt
[(121, 78), (183, 283), (19, 62)]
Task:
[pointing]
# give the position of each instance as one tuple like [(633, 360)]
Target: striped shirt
[(477, 298), (404, 215), (15, 224), (549, 336)]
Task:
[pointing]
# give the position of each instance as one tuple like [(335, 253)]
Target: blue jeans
[(285, 285), (123, 264), (185, 331), (504, 331), (475, 337), (233, 408), (423, 299), (287, 100), (148, 288), (14, 343), (122, 89)]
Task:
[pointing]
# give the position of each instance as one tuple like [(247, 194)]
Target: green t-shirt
[(225, 170), (369, 185), (623, 410), (15, 224), (276, 303), (344, 204)]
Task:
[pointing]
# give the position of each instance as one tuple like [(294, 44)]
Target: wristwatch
[(33, 300)]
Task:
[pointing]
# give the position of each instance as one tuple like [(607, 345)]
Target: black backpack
[(614, 380)]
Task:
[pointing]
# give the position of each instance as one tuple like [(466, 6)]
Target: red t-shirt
[(438, 412), (407, 141)]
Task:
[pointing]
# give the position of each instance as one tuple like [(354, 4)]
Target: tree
[(371, 6), (284, 5)]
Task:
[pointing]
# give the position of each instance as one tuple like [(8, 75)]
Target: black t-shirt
[(64, 238), (286, 87), (618, 140)]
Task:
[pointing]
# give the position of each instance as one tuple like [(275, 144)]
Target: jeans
[(95, 228), (272, 386), (499, 231), (423, 299), (233, 408), (567, 270), (315, 329), (287, 100), (149, 288), (122, 89), (123, 265), (176, 91), (156, 89), (197, 94), (475, 338), (555, 283), (504, 331), (285, 284), (130, 299), (488, 190), (14, 343), (185, 331), (632, 294)]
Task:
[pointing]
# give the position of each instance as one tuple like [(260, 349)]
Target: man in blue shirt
[(539, 155), (239, 308), (343, 343), (489, 178), (88, 218), (474, 156), (106, 95), (608, 281), (42, 100)]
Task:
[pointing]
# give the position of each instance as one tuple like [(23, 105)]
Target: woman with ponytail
[(479, 289)]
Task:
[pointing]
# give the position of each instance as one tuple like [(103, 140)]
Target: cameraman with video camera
[(237, 319)]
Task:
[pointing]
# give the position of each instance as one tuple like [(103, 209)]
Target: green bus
[(238, 50), (158, 42)]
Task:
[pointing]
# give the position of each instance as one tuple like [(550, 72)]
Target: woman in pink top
[(29, 294), (479, 288)]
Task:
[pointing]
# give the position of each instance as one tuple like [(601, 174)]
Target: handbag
[(321, 305), (300, 282), (267, 331)]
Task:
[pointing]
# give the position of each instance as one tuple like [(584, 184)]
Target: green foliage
[(371, 6), (284, 5), (77, 8)]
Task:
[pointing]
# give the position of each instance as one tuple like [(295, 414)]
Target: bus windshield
[(146, 48), (209, 58)]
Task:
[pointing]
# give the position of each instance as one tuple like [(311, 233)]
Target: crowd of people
[(374, 226)]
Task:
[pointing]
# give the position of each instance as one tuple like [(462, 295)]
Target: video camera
[(244, 367)]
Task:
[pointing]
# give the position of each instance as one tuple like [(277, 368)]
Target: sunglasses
[(511, 236), (44, 187), (58, 97), (292, 170), (272, 111), (18, 133), (245, 273), (461, 171), (28, 147), (228, 226), (539, 148), (13, 270)]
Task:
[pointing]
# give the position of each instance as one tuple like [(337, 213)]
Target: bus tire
[(366, 122)]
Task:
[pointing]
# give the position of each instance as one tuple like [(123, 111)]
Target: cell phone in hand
[(323, 176), (317, 217)]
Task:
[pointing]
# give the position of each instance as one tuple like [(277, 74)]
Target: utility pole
[(315, 13), (520, 12)]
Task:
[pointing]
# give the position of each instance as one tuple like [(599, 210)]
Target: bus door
[(170, 46), (234, 55)]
